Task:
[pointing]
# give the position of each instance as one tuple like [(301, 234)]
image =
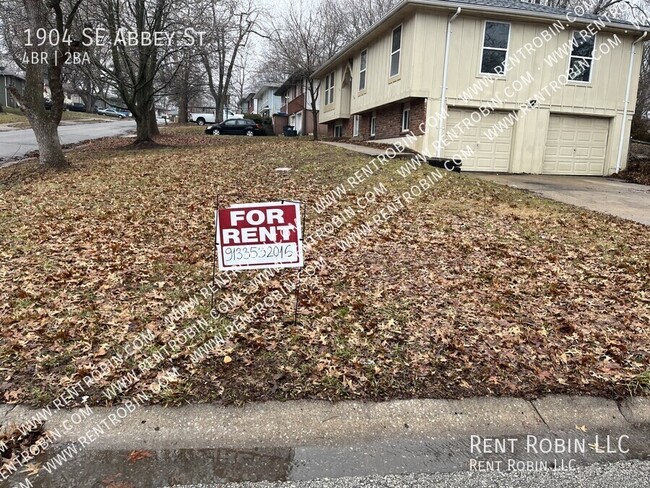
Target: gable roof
[(266, 86), (293, 79), (531, 8), (516, 8), (12, 74)]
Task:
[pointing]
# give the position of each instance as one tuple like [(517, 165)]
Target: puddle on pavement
[(113, 469)]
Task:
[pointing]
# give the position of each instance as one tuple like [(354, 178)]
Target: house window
[(373, 125), (495, 48), (329, 88), (338, 130), (582, 57), (355, 126), (406, 116), (362, 69), (396, 49)]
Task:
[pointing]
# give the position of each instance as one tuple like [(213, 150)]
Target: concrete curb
[(305, 423), (636, 410)]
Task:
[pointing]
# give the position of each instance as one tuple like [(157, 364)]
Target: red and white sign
[(259, 235)]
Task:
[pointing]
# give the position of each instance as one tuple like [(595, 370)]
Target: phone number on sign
[(256, 254)]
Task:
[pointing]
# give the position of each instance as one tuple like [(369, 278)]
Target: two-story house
[(503, 85), (248, 104), (266, 101), (297, 103)]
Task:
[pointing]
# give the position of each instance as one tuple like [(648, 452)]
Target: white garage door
[(575, 145), (489, 145)]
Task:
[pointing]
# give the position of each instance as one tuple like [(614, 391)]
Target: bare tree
[(41, 61), (133, 69), (231, 23), (241, 80), (301, 41), (355, 16)]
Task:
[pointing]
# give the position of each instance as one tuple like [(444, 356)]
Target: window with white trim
[(338, 130), (329, 88), (373, 124), (395, 50), (406, 116), (582, 57), (363, 63), (356, 119), (495, 47)]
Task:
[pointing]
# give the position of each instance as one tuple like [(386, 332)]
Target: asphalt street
[(629, 474), (17, 143)]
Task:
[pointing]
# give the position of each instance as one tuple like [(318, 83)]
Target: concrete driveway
[(614, 197)]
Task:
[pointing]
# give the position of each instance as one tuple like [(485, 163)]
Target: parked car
[(48, 104), (76, 107), (111, 112), (236, 127), (209, 118)]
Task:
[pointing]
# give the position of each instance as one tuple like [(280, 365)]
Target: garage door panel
[(576, 145), (489, 153)]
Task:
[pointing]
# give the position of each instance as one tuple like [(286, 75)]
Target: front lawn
[(472, 289)]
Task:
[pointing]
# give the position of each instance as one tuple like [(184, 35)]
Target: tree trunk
[(154, 130), (183, 96), (313, 92), (44, 123), (219, 114), (183, 108), (143, 129), (50, 152)]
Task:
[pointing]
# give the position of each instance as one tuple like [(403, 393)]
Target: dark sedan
[(244, 127)]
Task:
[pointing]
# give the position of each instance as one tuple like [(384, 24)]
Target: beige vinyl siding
[(380, 88), (421, 68), (576, 145), (603, 93)]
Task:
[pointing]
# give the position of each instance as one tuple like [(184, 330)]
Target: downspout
[(443, 94), (627, 101)]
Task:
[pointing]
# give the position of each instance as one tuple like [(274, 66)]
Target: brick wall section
[(388, 121), (347, 128)]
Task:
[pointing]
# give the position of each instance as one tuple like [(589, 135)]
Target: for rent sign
[(259, 235)]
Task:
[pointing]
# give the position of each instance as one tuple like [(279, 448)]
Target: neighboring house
[(297, 104), (7, 80), (68, 96), (391, 80), (267, 102), (248, 104)]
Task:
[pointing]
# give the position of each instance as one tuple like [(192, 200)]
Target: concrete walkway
[(301, 440), (367, 150), (614, 197)]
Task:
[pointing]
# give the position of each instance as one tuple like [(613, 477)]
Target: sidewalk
[(317, 439)]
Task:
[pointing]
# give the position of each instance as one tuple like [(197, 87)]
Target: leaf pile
[(472, 289)]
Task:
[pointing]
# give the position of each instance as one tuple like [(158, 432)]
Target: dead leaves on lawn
[(474, 289)]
